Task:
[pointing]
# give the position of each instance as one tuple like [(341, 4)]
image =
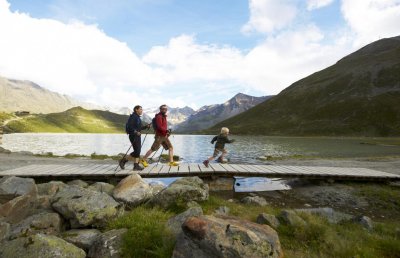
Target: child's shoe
[(206, 162)]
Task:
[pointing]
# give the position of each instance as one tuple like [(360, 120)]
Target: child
[(221, 139)]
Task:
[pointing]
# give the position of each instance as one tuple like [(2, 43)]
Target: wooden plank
[(174, 170), (194, 168), (229, 169), (218, 168), (256, 168), (147, 170), (164, 170), (183, 169), (205, 169), (238, 168), (279, 170)]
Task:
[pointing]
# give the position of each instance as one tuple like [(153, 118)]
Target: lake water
[(196, 148)]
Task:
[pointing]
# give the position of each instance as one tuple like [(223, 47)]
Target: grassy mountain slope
[(74, 120), (358, 96)]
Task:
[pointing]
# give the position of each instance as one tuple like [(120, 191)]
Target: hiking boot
[(136, 167), (206, 163), (122, 163), (144, 163), (173, 164)]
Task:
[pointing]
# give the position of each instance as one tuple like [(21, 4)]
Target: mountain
[(175, 115), (210, 115), (74, 120), (357, 96), (16, 95)]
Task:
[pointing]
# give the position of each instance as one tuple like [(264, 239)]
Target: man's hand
[(138, 133), (148, 126)]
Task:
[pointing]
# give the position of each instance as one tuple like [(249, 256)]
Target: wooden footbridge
[(102, 171)]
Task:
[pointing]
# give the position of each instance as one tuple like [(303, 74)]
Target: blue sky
[(122, 53)]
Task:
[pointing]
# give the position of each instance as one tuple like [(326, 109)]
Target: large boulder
[(12, 186), (78, 182), (50, 188), (40, 245), (18, 208), (208, 236), (364, 221), (83, 207), (82, 238), (108, 244), (254, 200), (182, 190), (46, 223), (4, 230), (268, 219), (175, 223), (102, 187), (132, 190), (289, 217)]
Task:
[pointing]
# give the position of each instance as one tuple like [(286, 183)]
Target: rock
[(222, 210), (40, 245), (208, 236), (48, 223), (364, 221), (288, 217), (268, 219), (78, 182), (254, 200), (4, 230), (13, 186), (50, 188), (44, 202), (108, 244), (192, 204), (102, 187), (330, 214), (5, 151), (175, 223), (132, 190), (82, 238), (83, 207), (18, 208), (182, 190), (221, 184), (156, 188), (307, 205)]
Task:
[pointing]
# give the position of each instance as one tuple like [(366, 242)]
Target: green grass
[(147, 234), (5, 116), (74, 120)]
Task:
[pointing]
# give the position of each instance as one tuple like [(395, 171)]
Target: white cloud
[(269, 15), (372, 19), (316, 4)]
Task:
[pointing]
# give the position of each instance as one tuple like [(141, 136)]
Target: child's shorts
[(217, 151)]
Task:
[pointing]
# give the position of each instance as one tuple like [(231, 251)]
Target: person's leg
[(221, 158), (154, 147), (128, 157), (207, 161), (136, 153), (168, 144)]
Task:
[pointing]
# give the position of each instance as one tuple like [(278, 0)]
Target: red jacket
[(162, 125)]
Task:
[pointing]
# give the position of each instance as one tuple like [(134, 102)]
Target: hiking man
[(133, 129), (161, 137)]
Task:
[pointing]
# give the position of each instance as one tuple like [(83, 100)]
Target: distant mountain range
[(358, 96), (207, 116), (17, 95)]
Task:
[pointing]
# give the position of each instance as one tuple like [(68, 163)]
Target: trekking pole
[(123, 157), (160, 156)]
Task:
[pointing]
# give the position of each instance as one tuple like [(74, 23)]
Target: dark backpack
[(129, 125), (154, 123)]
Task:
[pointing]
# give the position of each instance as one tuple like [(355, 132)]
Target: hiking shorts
[(136, 145), (217, 151), (161, 140)]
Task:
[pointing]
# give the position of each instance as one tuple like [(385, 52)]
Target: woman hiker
[(133, 129), (161, 137)]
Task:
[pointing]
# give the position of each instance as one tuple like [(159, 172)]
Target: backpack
[(154, 123), (129, 125)]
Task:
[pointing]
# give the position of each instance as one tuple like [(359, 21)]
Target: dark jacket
[(162, 125), (221, 139), (136, 125)]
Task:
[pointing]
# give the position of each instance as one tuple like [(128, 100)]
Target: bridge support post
[(219, 183)]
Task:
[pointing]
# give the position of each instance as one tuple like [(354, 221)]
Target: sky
[(183, 53)]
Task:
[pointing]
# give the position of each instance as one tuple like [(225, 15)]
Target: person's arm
[(214, 139), (229, 141)]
